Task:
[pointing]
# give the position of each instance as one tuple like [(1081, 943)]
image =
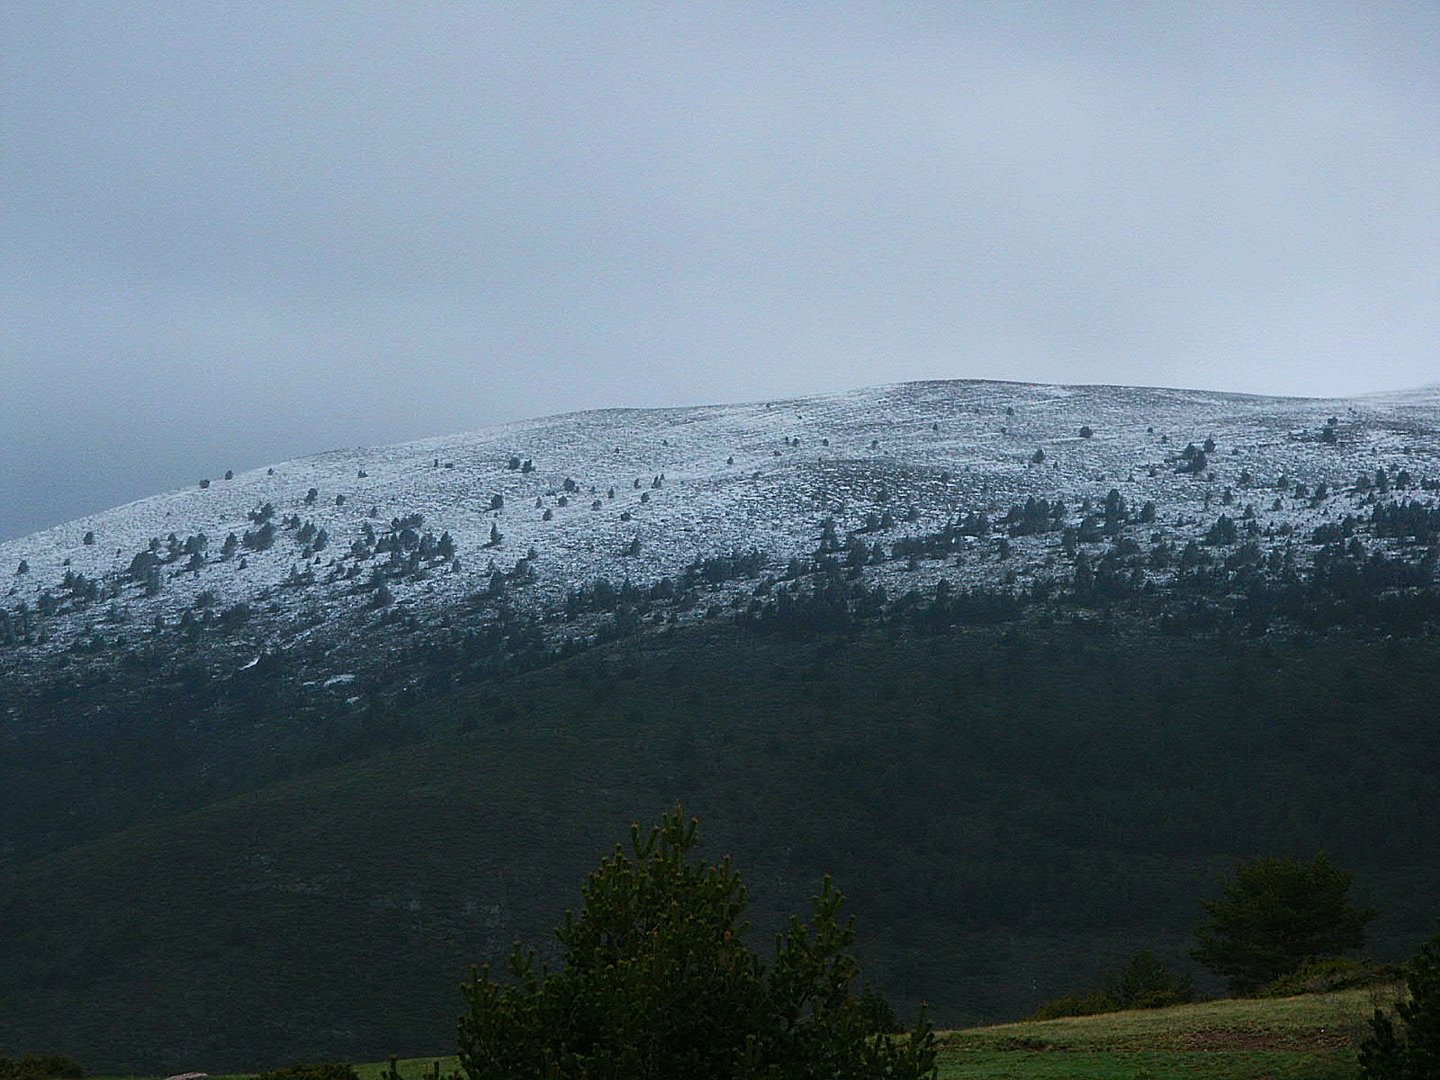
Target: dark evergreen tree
[(1223, 532), (1192, 461), (1275, 915), (1410, 1051), (658, 982), (259, 539)]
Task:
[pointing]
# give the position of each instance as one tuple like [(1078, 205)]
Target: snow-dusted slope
[(685, 484)]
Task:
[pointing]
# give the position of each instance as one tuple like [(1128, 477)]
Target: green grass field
[(1311, 1037)]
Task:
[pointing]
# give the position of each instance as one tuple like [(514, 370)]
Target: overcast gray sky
[(232, 233)]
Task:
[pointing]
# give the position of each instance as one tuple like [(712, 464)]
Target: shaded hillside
[(1011, 809)]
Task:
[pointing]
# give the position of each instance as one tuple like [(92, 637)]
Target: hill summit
[(322, 565)]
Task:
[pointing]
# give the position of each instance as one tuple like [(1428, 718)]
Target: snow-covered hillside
[(534, 510)]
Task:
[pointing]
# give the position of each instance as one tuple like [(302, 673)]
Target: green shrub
[(1091, 1004), (40, 1067), (1146, 982), (1333, 973), (658, 982)]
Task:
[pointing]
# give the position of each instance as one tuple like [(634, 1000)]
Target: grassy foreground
[(1310, 1037)]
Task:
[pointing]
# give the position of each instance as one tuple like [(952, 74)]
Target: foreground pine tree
[(1413, 1052), (658, 982)]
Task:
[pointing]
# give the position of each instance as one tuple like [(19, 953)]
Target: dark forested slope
[(1012, 808)]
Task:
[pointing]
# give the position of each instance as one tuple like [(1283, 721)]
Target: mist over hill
[(1023, 665)]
